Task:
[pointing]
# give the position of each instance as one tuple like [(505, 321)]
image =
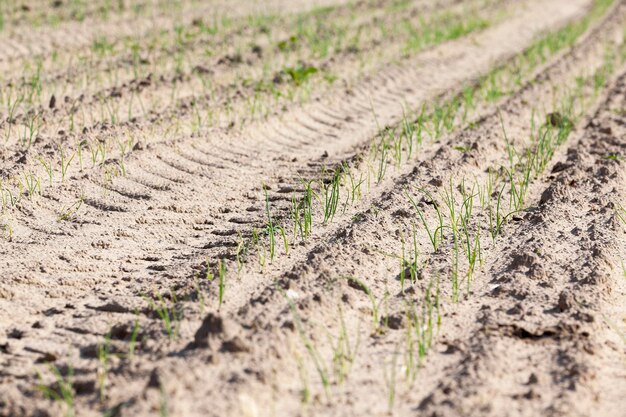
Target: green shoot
[(271, 232), (64, 390), (310, 347), (331, 193), (435, 235), (103, 359), (390, 379), (133, 340), (69, 211), (222, 284), (169, 316), (375, 316)]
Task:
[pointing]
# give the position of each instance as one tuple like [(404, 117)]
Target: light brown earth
[(147, 147)]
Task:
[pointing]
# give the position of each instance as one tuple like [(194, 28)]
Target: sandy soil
[(303, 208)]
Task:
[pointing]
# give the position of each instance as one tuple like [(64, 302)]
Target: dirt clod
[(566, 301)]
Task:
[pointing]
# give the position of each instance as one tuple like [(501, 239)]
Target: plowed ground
[(303, 208)]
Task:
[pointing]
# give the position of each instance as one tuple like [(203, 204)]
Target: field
[(313, 208)]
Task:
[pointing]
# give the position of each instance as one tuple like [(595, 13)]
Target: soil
[(150, 261)]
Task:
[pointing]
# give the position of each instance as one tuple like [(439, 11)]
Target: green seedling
[(222, 286), (65, 163), (296, 215), (613, 326), (132, 345), (163, 407), (410, 264), (471, 244), (64, 390), (31, 130), (462, 149), (621, 213), (403, 263), (304, 379), (34, 84), (331, 193), (355, 186), (301, 74), (12, 106), (383, 148), (287, 44), (241, 252), (435, 235), (468, 101), (344, 352), (48, 167), (497, 217), (492, 88), (408, 132), (395, 142), (450, 202), (271, 232), (68, 211), (420, 329), (285, 241), (6, 231), (9, 199), (254, 241), (370, 295), (413, 266), (102, 151), (390, 379), (170, 316), (33, 184), (93, 150), (103, 359), (310, 347)]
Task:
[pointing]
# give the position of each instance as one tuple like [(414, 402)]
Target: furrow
[(540, 328)]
